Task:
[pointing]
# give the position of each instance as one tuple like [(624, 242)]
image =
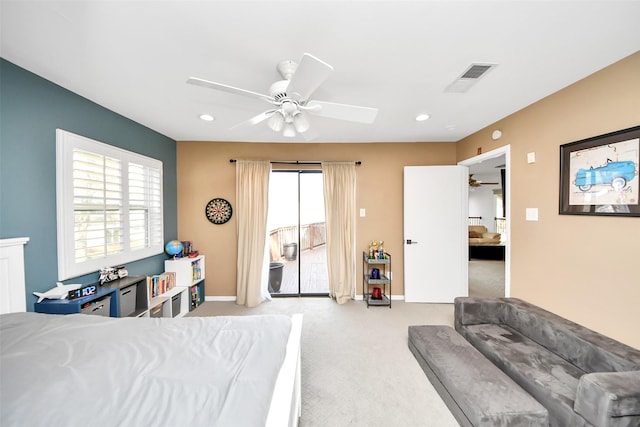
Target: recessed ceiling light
[(422, 117), (207, 117)]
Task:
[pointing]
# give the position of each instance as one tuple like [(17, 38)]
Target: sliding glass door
[(297, 238)]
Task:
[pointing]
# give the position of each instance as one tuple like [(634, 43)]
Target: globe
[(173, 247)]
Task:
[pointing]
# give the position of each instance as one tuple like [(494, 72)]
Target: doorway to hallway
[(297, 235), (491, 208)]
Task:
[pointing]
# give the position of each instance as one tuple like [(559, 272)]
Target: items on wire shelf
[(376, 275)]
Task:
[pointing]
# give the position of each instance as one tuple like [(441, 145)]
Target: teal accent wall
[(31, 109)]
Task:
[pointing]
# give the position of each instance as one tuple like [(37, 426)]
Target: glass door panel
[(296, 234), (314, 277)]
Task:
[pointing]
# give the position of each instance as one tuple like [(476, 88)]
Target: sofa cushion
[(547, 377), (476, 310), (476, 391), (478, 234), (483, 241), (587, 349), (491, 236), (609, 398), (480, 229)]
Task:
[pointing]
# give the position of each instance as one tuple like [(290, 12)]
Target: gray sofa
[(581, 377)]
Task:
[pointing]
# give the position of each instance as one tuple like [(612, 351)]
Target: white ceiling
[(398, 56)]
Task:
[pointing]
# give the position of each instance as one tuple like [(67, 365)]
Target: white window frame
[(66, 143)]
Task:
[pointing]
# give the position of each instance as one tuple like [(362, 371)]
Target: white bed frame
[(286, 403), (12, 284)]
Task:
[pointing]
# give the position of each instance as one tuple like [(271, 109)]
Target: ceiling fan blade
[(230, 89), (310, 74), (352, 113), (254, 120)]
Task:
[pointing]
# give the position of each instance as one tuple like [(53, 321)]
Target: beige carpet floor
[(356, 367), (486, 278)]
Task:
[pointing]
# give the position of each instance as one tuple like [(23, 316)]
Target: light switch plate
[(531, 157), (363, 213), (531, 214)]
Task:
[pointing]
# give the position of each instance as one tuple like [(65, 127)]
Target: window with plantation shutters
[(109, 205), (97, 206)]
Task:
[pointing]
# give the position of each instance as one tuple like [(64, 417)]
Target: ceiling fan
[(475, 183), (290, 98)]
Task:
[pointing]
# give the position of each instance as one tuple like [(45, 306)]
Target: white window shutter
[(109, 205)]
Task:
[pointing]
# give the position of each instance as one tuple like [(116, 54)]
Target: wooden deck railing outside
[(311, 235)]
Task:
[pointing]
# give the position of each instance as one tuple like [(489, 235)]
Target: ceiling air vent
[(469, 77)]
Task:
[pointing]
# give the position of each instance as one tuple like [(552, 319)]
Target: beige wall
[(204, 172), (581, 267)]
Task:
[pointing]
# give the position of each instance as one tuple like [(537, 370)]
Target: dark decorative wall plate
[(218, 211)]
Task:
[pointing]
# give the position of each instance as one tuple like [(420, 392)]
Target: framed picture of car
[(599, 175)]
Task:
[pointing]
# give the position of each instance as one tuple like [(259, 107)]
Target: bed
[(77, 370)]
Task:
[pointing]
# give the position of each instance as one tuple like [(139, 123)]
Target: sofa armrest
[(609, 398), (476, 311)]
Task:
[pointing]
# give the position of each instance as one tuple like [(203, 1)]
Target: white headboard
[(12, 285)]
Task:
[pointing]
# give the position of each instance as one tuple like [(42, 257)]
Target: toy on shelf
[(109, 274), (376, 249), (59, 292), (174, 248)]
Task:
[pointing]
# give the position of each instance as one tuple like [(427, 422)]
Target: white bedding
[(89, 370)]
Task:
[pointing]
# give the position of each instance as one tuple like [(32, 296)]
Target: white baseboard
[(393, 297), (232, 298)]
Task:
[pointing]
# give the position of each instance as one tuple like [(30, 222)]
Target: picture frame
[(599, 175)]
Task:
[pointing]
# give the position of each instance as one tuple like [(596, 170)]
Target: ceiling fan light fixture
[(276, 121), (289, 130), (300, 122), (289, 108)]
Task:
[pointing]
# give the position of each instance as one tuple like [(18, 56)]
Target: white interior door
[(435, 233)]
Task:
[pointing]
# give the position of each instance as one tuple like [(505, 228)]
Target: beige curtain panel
[(340, 209), (252, 196)]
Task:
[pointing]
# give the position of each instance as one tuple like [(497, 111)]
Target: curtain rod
[(358, 163)]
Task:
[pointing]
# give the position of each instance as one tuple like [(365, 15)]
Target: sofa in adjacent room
[(581, 377), (478, 235), (485, 245)]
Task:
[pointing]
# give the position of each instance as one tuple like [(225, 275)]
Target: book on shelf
[(161, 283), (195, 296), (196, 271)]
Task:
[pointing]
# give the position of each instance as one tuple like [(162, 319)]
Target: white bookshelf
[(190, 275)]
